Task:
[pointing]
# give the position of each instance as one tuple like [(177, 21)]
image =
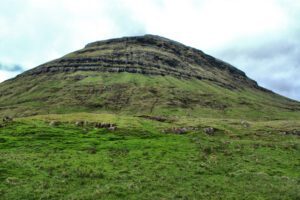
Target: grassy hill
[(145, 118), (141, 75)]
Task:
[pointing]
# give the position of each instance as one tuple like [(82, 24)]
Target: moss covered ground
[(143, 159)]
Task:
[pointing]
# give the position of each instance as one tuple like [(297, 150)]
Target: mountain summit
[(140, 75), (151, 55)]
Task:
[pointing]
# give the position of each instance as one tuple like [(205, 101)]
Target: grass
[(137, 94), (139, 161)]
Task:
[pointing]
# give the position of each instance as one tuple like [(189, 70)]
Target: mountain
[(145, 118), (143, 75)]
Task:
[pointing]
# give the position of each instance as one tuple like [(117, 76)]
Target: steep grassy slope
[(138, 94), (140, 161)]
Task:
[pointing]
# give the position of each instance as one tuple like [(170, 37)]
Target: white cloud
[(4, 75), (209, 24)]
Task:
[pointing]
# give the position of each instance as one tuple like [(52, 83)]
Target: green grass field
[(143, 159)]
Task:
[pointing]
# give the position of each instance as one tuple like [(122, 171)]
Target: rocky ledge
[(150, 55)]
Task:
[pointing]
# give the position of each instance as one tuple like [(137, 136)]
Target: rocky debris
[(109, 126), (179, 130), (79, 77), (103, 125), (7, 119), (155, 118), (112, 128), (292, 132), (245, 124), (209, 130), (54, 123)]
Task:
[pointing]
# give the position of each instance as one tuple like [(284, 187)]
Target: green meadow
[(145, 159)]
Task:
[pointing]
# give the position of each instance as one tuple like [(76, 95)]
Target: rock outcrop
[(151, 55)]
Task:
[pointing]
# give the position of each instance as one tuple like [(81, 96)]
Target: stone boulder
[(179, 131), (209, 130), (54, 123), (112, 128), (79, 123), (245, 124), (7, 119)]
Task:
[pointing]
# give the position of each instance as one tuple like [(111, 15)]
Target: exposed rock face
[(149, 54), (292, 132)]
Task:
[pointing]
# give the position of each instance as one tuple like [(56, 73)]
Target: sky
[(262, 38)]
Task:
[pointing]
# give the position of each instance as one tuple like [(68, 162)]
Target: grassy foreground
[(142, 159)]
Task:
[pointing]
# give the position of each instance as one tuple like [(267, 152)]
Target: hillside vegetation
[(138, 94)]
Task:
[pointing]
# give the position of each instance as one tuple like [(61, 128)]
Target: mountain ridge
[(178, 65)]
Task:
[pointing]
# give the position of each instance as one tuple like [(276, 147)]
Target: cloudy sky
[(260, 37)]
